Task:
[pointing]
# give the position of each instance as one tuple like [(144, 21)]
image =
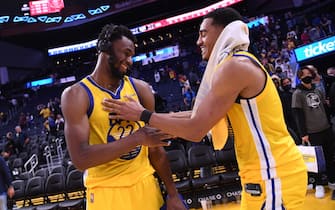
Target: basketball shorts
[(287, 193), (145, 195)]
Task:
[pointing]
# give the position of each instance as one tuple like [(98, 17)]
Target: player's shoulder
[(73, 91), (235, 65), (140, 84), (241, 62)]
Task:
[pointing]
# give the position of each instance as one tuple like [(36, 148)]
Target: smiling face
[(208, 34), (120, 59)]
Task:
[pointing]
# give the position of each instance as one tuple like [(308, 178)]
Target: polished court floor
[(311, 203)]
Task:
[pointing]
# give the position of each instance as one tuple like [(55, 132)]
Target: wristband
[(145, 116)]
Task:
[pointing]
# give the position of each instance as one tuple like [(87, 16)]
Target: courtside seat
[(201, 158), (75, 191), (180, 169), (19, 188), (34, 191)]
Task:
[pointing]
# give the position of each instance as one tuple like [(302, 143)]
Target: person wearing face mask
[(119, 157), (308, 106), (286, 99), (330, 84)]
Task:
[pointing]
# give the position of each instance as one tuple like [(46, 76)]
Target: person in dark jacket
[(6, 187), (286, 99)]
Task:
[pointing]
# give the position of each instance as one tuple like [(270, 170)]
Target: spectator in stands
[(21, 139), (59, 123), (119, 164), (305, 37), (183, 82), (276, 81), (189, 97), (57, 105), (6, 187), (50, 125), (331, 89), (286, 100), (29, 120), (51, 105), (3, 118), (10, 146), (235, 84), (45, 112), (22, 120), (172, 73), (327, 25), (318, 80), (314, 33), (194, 80), (157, 78), (308, 105)]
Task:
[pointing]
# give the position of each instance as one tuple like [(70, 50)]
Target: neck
[(107, 82), (103, 76)]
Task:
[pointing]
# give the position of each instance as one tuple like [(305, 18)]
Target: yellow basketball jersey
[(129, 168), (264, 147)]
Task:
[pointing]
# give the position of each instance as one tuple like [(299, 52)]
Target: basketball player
[(236, 85), (119, 156)]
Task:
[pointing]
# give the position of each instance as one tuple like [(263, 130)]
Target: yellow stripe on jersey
[(264, 147), (129, 168)]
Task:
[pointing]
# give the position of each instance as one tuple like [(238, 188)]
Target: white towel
[(234, 37)]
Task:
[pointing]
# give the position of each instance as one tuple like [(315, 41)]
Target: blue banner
[(315, 49)]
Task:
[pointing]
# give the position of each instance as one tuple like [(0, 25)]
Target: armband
[(145, 116)]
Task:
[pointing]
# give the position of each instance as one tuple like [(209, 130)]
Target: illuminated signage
[(4, 19), (315, 49), (41, 82), (258, 21), (72, 48), (41, 7), (67, 79), (158, 55), (183, 17), (146, 27)]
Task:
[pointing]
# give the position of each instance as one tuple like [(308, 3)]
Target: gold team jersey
[(130, 167), (264, 148)]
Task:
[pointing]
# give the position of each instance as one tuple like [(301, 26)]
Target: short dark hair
[(110, 33), (282, 80), (224, 16)]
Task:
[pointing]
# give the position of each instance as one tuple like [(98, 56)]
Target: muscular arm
[(157, 155), (184, 114), (74, 106), (238, 76)]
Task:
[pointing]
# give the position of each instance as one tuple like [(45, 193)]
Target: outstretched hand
[(126, 110)]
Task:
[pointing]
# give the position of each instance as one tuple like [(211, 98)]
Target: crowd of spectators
[(273, 44)]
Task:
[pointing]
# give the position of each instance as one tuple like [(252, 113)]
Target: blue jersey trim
[(261, 140), (90, 97), (133, 84), (116, 95)]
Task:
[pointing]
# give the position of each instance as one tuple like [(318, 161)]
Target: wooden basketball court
[(311, 203)]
